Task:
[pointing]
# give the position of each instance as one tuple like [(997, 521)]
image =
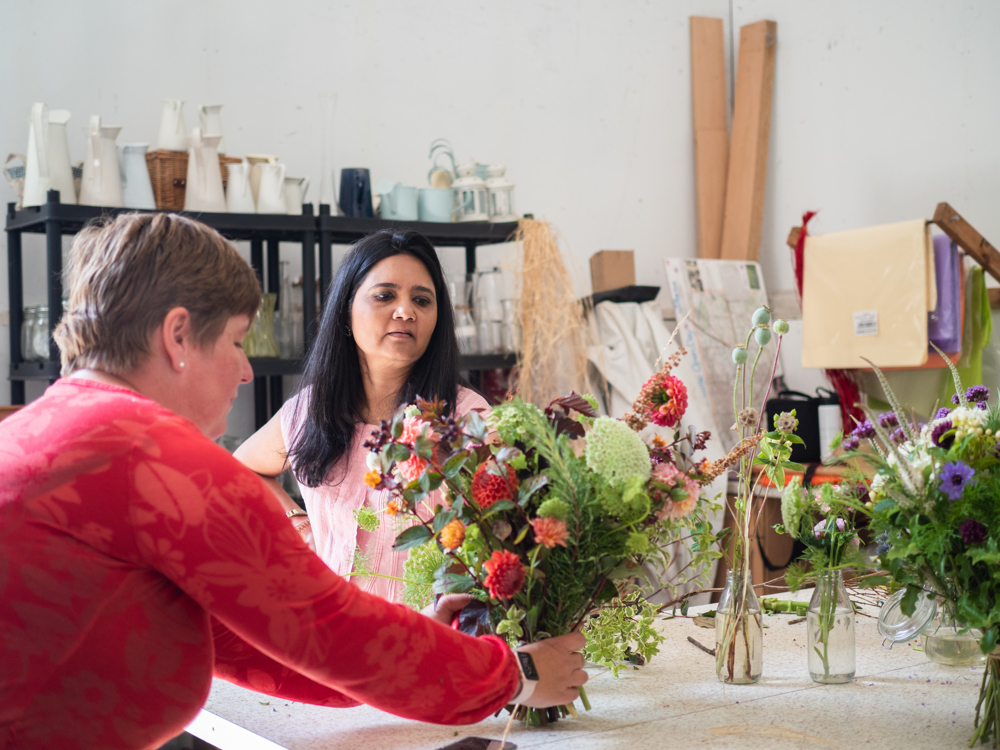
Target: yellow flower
[(373, 477), (452, 535)]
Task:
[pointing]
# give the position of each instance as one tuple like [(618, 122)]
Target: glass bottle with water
[(830, 620)]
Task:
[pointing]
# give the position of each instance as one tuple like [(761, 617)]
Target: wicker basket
[(168, 173)]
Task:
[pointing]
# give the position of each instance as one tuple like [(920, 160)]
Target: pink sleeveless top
[(331, 507)]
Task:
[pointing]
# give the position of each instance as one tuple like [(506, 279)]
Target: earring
[(349, 332), (181, 364)]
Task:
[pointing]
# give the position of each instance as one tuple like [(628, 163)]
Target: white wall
[(880, 109)]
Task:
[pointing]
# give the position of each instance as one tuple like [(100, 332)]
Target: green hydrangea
[(637, 543), (616, 452), (553, 507), (626, 502), (514, 421), (793, 503)]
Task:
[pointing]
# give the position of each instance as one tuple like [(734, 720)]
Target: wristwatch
[(295, 512), (528, 680)]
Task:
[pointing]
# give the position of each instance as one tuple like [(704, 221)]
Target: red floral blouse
[(137, 557)]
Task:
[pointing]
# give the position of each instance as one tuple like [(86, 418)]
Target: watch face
[(527, 666)]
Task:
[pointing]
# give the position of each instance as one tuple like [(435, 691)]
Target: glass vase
[(946, 641), (739, 636), (260, 341), (830, 620)]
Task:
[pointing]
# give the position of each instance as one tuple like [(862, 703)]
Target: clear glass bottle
[(510, 327), (260, 338), (946, 643), (739, 634), (40, 334), (465, 330), (830, 621), (27, 340), (284, 327)]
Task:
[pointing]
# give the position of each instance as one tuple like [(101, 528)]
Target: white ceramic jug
[(173, 134), (204, 175), (101, 184), (210, 119), (295, 194), (255, 161), (271, 198), (48, 166), (137, 190), (239, 196)]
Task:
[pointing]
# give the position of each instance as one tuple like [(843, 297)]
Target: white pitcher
[(239, 196), (210, 119), (271, 198), (295, 194), (101, 184), (48, 166), (173, 134), (137, 190), (204, 175), (255, 161)]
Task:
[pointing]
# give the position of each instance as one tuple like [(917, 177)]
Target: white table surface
[(898, 700)]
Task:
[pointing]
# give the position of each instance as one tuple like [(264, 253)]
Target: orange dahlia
[(505, 574), (488, 488), (550, 531), (452, 535)]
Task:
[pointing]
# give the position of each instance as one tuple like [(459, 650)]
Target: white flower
[(372, 461)]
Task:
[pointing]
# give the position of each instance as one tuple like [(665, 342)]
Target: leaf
[(508, 454), (443, 519), (424, 447), (412, 537), (453, 583), (496, 508), (474, 618), (397, 452), (476, 427), (574, 401), (883, 505), (794, 439), (434, 480), (529, 487), (792, 466), (521, 534), (454, 464)]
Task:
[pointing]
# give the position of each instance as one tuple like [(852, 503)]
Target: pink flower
[(412, 427), (674, 402), (820, 529), (412, 468), (550, 531), (665, 474)]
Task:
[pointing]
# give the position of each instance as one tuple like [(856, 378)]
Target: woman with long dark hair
[(387, 335)]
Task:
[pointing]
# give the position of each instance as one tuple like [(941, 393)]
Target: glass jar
[(739, 634), (260, 341), (947, 641), (27, 334), (830, 621), (465, 331), (510, 326), (40, 334)]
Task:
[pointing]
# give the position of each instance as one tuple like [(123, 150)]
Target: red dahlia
[(505, 574), (488, 488)]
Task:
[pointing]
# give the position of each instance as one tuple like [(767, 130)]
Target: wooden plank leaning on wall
[(744, 212), (711, 130)]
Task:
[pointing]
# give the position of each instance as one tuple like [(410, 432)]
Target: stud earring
[(182, 364), (349, 332)]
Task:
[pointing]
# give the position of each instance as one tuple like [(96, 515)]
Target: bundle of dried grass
[(554, 335)]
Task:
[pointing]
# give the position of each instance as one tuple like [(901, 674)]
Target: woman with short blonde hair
[(137, 557)]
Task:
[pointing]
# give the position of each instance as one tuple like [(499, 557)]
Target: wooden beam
[(711, 130), (966, 237), (747, 175)]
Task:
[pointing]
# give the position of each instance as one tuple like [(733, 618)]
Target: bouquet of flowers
[(934, 504), (551, 518)]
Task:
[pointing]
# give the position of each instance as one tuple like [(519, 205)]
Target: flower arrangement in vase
[(547, 516), (824, 522), (934, 506), (738, 628)]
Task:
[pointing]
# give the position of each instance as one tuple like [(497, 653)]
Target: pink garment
[(331, 506)]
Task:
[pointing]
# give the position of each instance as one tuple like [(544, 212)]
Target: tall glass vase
[(830, 620), (260, 341), (739, 637)]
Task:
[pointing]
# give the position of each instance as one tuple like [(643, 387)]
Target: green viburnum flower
[(627, 502), (637, 543), (418, 570), (366, 518), (511, 423), (616, 452), (554, 508)]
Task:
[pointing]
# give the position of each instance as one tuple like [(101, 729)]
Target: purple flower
[(938, 431), (955, 476), (850, 443), (943, 412), (864, 430), (888, 420), (820, 529), (977, 394), (972, 532), (982, 406), (898, 437), (954, 399)]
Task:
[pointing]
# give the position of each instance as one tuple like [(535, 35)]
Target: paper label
[(866, 323)]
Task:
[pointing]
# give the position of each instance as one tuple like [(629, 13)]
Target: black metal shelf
[(55, 219)]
